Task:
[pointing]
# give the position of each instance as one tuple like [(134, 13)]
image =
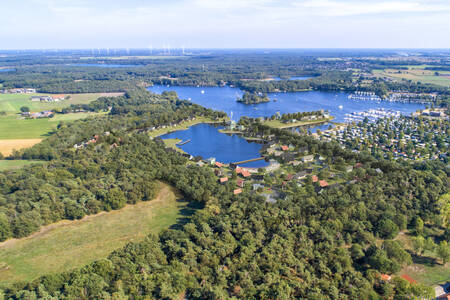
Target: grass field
[(425, 269), (16, 164), (70, 244), (15, 127), (172, 144), (416, 74), (11, 103)]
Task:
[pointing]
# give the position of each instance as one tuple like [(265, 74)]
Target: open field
[(416, 74), (70, 244), (16, 164), (15, 127), (11, 103), (425, 269), (184, 126), (281, 125), (7, 146)]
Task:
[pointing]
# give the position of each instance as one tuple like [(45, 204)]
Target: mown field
[(17, 132), (11, 103), (70, 244), (416, 74)]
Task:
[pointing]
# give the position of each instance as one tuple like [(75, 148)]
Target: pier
[(182, 143), (248, 160)]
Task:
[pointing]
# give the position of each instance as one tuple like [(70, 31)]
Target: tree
[(418, 243), (115, 199), (387, 229), (25, 109), (443, 251)]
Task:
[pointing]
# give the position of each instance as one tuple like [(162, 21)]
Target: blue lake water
[(207, 141), (103, 65), (7, 70), (224, 99)]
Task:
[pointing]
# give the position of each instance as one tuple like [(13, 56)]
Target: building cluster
[(38, 115), (53, 98), (360, 95), (404, 137), (18, 91), (411, 97), (93, 140)]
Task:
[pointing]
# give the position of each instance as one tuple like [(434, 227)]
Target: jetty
[(182, 143), (248, 160)]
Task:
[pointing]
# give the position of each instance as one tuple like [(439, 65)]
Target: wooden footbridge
[(248, 160)]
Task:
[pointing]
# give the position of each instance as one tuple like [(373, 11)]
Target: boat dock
[(182, 143)]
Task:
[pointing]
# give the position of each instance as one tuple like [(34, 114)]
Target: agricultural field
[(16, 164), (17, 132), (11, 103), (70, 244), (416, 74)]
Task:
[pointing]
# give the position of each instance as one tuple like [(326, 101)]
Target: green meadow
[(67, 245), (16, 164)]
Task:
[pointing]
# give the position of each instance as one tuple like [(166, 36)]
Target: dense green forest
[(248, 71), (309, 245)]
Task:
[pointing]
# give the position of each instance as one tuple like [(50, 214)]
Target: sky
[(77, 24)]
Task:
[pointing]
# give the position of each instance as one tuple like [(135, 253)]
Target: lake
[(337, 103), (7, 70), (207, 141)]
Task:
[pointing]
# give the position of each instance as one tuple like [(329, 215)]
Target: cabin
[(308, 158), (223, 179), (240, 182), (237, 191)]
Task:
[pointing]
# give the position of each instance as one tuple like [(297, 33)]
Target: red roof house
[(246, 173), (240, 182), (284, 148), (315, 178), (323, 183), (237, 191), (218, 164), (223, 179)]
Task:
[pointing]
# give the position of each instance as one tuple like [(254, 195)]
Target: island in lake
[(253, 98)]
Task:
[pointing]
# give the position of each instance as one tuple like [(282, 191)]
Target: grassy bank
[(280, 125), (70, 244), (185, 125)]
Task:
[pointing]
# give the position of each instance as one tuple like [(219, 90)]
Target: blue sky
[(46, 24)]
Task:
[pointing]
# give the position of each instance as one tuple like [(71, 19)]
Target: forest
[(328, 245)]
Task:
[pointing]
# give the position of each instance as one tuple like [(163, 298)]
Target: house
[(200, 163), (240, 182), (290, 176), (218, 172), (385, 277), (237, 191), (238, 170), (295, 163), (223, 179), (211, 160), (323, 183), (378, 170), (277, 153), (35, 98), (284, 148), (314, 178), (218, 164), (245, 173), (308, 158), (349, 169)]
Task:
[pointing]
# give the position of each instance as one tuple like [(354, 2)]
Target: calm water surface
[(207, 141)]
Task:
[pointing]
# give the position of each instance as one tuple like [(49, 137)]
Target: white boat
[(202, 91), (341, 107)]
